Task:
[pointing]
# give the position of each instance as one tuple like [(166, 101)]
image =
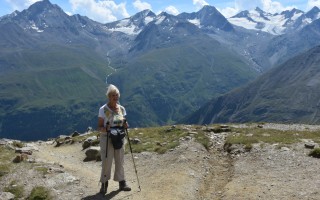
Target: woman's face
[(113, 97)]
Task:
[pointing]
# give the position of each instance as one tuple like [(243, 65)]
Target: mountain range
[(54, 67)]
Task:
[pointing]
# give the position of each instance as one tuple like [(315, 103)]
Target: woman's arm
[(101, 127)]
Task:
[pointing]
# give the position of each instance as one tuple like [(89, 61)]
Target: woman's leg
[(119, 164), (106, 161)]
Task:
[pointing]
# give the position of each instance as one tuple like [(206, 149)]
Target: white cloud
[(266, 5), (21, 4), (312, 3), (229, 12), (274, 6), (199, 3), (101, 10), (247, 4), (140, 6), (172, 10)]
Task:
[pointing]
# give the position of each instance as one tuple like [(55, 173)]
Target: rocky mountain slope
[(189, 171), (288, 93)]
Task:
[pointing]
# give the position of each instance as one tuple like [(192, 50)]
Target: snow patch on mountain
[(195, 22), (296, 16), (129, 30), (160, 19), (126, 27), (34, 27), (147, 20), (276, 24)]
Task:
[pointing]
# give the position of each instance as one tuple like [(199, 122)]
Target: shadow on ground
[(110, 195)]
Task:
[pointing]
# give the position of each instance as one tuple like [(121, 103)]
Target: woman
[(111, 122)]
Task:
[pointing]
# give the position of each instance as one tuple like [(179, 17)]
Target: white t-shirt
[(115, 119)]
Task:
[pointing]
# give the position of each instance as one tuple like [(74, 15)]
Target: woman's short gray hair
[(112, 89)]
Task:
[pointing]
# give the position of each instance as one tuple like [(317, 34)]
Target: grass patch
[(6, 156), (155, 139), (40, 193), (79, 138), (4, 169), (42, 170), (249, 136), (161, 139), (16, 190), (203, 139), (160, 150), (315, 153)]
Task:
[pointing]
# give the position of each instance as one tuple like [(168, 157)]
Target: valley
[(54, 68)]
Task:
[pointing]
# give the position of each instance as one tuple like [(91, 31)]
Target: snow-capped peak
[(134, 24)]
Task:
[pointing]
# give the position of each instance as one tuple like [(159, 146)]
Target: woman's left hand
[(125, 125)]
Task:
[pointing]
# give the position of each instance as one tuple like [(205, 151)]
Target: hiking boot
[(123, 186), (103, 189)]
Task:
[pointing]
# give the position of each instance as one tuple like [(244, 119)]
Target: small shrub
[(204, 140), (315, 153), (40, 193), (248, 147), (42, 170), (17, 144), (160, 150)]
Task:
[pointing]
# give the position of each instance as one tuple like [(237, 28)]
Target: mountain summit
[(207, 18)]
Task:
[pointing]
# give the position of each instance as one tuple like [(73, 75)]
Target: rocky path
[(179, 174), (187, 172)]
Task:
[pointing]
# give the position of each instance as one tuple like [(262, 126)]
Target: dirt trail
[(71, 158), (183, 173)]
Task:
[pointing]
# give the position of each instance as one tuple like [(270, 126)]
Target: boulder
[(309, 145), (74, 134), (88, 142), (93, 153), (24, 150), (135, 141), (19, 158), (6, 196)]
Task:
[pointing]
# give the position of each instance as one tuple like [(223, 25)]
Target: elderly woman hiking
[(111, 123)]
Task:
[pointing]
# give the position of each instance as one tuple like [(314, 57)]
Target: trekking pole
[(107, 129), (134, 164)]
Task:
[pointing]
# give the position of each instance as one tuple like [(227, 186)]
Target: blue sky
[(112, 10)]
